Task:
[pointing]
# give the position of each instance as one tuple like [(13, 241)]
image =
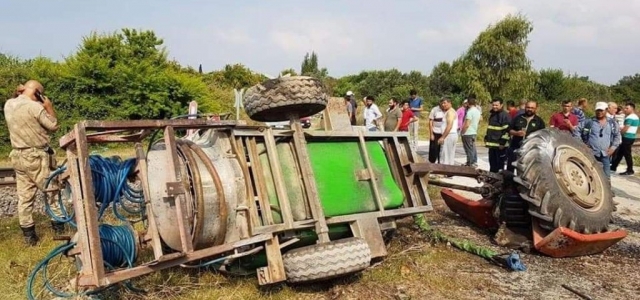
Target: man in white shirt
[(436, 117), (371, 114)]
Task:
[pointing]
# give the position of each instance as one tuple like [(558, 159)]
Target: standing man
[(415, 103), (350, 111), (523, 104), (631, 123), (602, 135), (521, 127), (449, 136), (564, 120), (579, 109), (511, 107), (461, 112), (354, 106), (371, 114), (436, 117), (393, 117), (469, 132), (407, 117), (30, 118), (497, 136)]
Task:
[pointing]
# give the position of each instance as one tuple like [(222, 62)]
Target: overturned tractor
[(290, 205)]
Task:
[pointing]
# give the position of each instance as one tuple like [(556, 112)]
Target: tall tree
[(550, 84), (497, 60)]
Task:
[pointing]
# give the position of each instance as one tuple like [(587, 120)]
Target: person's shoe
[(627, 173), (58, 227), (30, 236)]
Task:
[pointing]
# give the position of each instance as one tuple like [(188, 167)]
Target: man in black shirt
[(521, 127)]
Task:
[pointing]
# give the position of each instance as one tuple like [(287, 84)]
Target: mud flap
[(564, 242), (479, 212)]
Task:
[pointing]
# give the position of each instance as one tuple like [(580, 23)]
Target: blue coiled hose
[(118, 249), (110, 188), (118, 243)]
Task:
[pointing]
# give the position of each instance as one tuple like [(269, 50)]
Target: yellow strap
[(498, 127)]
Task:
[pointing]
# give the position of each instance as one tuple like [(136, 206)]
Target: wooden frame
[(260, 228)]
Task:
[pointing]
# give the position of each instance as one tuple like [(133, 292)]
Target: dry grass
[(413, 268)]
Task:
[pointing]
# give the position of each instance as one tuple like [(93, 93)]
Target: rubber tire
[(548, 201), (274, 99), (326, 261)]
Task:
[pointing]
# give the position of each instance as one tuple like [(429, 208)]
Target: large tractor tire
[(563, 183), (275, 99), (326, 261)]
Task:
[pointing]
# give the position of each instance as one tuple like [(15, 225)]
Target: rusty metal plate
[(477, 211), (564, 242)]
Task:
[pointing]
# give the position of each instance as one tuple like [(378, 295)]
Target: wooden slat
[(278, 179), (258, 179), (396, 167), (248, 201), (174, 175), (88, 217), (367, 161), (308, 179), (274, 272)]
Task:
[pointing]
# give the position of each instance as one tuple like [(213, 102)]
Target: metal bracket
[(174, 189)]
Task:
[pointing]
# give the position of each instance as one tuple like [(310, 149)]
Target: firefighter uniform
[(497, 139)]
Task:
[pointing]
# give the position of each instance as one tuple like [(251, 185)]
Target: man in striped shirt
[(579, 109), (629, 131)]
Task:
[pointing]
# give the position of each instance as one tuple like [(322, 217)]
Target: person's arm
[(419, 108), (616, 140), (47, 118), (512, 128), (397, 127), (465, 126), (504, 123), (626, 126), (450, 118)]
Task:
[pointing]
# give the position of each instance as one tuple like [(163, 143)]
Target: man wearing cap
[(354, 105), (415, 103), (602, 135), (30, 118)]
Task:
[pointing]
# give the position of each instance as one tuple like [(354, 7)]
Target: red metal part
[(561, 242), (564, 242), (479, 212)]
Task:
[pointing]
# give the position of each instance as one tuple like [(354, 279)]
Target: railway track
[(7, 176)]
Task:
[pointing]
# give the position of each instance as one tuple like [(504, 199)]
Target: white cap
[(602, 106), (349, 93)]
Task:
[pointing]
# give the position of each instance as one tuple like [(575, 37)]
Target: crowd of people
[(609, 134)]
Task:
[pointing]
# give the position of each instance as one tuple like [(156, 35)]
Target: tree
[(550, 84), (440, 81), (627, 88), (497, 61), (310, 67)]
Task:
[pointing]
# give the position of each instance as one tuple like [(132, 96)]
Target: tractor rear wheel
[(326, 261), (275, 99), (563, 183)]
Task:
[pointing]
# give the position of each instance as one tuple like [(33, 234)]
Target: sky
[(595, 38)]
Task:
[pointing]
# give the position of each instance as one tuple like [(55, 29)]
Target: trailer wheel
[(326, 261), (274, 99), (563, 183)]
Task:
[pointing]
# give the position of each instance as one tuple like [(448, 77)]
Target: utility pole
[(238, 94)]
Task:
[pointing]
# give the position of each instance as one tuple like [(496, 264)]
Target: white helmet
[(349, 93)]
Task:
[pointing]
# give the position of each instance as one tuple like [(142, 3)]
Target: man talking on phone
[(564, 120), (31, 118)]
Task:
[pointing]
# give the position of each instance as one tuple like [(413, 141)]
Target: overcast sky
[(595, 38)]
